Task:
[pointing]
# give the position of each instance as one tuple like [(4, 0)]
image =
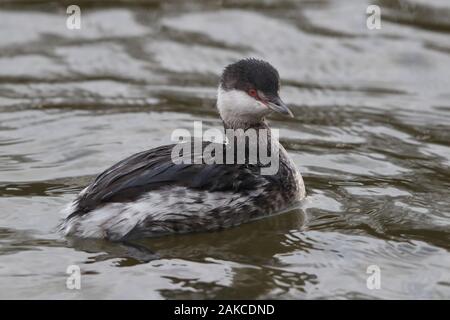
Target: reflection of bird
[(148, 194)]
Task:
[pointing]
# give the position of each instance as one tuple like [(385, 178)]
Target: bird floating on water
[(148, 194)]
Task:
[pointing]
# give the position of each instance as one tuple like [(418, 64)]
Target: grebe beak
[(277, 105)]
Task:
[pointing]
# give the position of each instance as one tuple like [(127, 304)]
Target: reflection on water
[(370, 135)]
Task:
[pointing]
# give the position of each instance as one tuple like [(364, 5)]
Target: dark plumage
[(251, 73), (153, 169), (147, 194)]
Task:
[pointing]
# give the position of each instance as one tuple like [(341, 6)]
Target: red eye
[(252, 92)]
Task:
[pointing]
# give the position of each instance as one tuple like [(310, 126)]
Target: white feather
[(116, 220), (237, 107)]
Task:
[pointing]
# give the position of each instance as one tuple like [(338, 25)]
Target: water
[(370, 136)]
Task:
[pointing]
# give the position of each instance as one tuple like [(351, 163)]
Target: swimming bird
[(148, 194)]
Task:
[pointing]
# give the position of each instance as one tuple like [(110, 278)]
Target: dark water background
[(371, 136)]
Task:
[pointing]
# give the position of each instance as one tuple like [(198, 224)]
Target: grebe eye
[(252, 92)]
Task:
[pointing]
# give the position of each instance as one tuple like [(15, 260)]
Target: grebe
[(148, 194)]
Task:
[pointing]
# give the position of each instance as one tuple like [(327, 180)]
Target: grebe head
[(249, 91)]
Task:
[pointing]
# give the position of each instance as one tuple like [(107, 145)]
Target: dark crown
[(251, 74)]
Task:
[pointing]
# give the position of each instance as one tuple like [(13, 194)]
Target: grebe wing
[(152, 169)]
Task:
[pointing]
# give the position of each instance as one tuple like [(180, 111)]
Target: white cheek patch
[(238, 106)]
